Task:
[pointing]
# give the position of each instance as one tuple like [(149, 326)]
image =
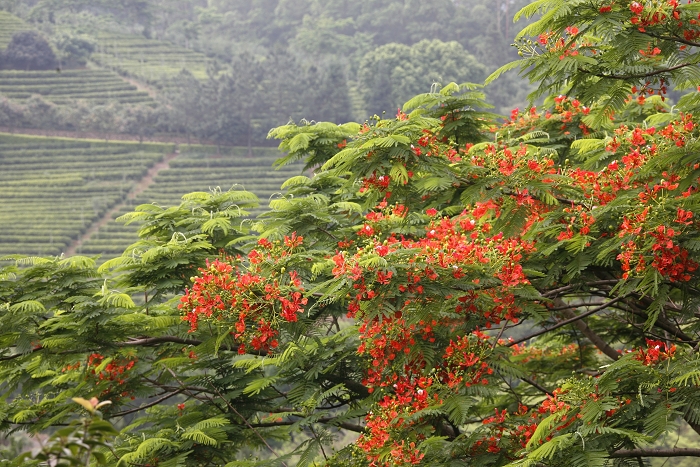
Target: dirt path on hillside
[(139, 188), (140, 86)]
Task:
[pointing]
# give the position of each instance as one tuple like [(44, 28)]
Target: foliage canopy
[(451, 290), (28, 50)]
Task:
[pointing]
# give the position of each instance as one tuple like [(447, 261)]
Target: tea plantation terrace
[(197, 168), (9, 25), (147, 59), (54, 189), (67, 86)]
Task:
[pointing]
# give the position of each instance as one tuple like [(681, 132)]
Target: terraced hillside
[(53, 189), (146, 59), (66, 86), (10, 24), (196, 169)]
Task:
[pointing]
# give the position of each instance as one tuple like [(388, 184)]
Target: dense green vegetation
[(29, 50), (146, 59), (53, 189), (253, 65), (201, 169), (69, 86), (9, 25), (444, 287)]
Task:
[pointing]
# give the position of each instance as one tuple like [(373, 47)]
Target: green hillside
[(53, 189), (10, 24), (197, 169), (66, 86), (146, 59)]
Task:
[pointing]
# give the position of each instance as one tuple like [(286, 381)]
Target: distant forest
[(266, 62)]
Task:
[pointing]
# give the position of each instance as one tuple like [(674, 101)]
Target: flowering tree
[(446, 289)]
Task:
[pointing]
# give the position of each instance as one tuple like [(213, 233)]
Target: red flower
[(366, 231)]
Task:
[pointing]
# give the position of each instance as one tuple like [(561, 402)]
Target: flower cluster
[(509, 432), (655, 352), (450, 250), (391, 420), (655, 245), (253, 299), (464, 361), (113, 374), (580, 222)]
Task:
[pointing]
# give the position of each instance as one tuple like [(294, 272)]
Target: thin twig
[(150, 404), (318, 439), (500, 333), (537, 385), (567, 321)]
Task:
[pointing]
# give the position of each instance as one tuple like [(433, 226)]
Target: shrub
[(28, 50)]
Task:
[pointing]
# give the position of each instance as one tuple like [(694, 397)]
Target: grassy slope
[(10, 24), (146, 59), (67, 86), (53, 189), (197, 168)]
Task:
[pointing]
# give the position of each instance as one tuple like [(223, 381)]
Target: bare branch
[(537, 385), (674, 39), (592, 336), (325, 420), (150, 404), (672, 452), (566, 288), (17, 355), (146, 341), (567, 321)]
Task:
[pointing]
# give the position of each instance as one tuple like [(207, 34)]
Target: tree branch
[(567, 321), (233, 409), (17, 355), (166, 387), (640, 75), (150, 404), (674, 39), (354, 386), (660, 322), (146, 341), (592, 336), (535, 384), (566, 288), (325, 420), (672, 452)]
